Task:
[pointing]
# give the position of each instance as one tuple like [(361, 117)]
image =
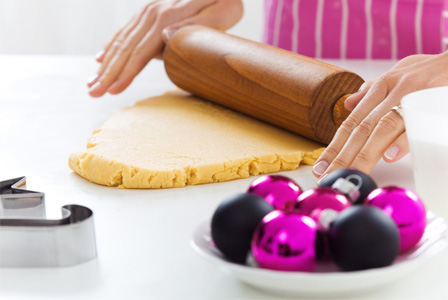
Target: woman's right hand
[(372, 131), (144, 36)]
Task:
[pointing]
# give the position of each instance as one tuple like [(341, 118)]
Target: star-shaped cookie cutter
[(29, 239)]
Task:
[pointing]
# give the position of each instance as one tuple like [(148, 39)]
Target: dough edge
[(116, 173)]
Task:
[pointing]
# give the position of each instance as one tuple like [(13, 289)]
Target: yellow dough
[(176, 140)]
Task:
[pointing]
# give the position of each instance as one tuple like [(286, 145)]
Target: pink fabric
[(307, 12), (356, 31), (332, 26), (357, 28)]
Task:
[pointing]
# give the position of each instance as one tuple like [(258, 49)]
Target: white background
[(83, 26)]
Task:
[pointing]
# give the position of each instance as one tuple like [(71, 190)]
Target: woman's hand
[(372, 130), (141, 39)]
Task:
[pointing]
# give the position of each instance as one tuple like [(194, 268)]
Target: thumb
[(352, 101), (211, 16), (169, 31)]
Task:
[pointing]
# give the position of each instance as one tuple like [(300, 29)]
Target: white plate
[(326, 280)]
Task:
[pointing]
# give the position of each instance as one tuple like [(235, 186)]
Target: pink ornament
[(285, 241), (279, 191), (405, 208), (312, 202)]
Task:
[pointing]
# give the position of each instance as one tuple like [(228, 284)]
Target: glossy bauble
[(234, 223), (279, 191), (285, 241), (355, 184), (363, 237), (312, 202), (405, 208)]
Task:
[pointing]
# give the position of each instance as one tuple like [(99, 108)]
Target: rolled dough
[(177, 139)]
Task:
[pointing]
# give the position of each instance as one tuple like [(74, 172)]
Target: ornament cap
[(347, 187), (326, 217)]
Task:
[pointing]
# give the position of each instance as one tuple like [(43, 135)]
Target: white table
[(142, 235)]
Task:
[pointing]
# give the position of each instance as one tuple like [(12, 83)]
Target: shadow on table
[(40, 283)]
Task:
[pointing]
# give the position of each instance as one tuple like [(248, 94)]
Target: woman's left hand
[(372, 130)]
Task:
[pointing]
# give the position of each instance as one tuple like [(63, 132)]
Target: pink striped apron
[(377, 29)]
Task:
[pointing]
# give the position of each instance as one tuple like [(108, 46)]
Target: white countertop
[(142, 235)]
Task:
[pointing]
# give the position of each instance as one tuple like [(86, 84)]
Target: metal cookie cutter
[(29, 239)]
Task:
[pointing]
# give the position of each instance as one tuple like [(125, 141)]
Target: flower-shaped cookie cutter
[(29, 239)]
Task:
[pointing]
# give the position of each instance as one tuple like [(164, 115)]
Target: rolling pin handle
[(339, 111)]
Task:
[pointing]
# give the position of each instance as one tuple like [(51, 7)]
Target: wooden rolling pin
[(292, 91)]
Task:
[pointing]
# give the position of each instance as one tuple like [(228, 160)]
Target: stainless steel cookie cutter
[(29, 239)]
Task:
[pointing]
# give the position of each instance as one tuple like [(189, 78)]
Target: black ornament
[(363, 237), (234, 223), (355, 184)]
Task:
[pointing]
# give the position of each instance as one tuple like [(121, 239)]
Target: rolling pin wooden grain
[(292, 91)]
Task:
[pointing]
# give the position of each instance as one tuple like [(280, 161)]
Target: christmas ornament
[(285, 241), (405, 208), (279, 191), (353, 183), (363, 237), (312, 202), (234, 223)]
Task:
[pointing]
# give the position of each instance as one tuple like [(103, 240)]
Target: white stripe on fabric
[(295, 27), (318, 31), (445, 13), (369, 28), (418, 27), (267, 20), (393, 28), (442, 32), (278, 21), (344, 29)]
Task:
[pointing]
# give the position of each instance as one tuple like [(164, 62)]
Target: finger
[(101, 55), (213, 16), (148, 48), (210, 16), (119, 35), (117, 43), (388, 129), (398, 149), (92, 80), (122, 33), (374, 96), (353, 144), (120, 54), (351, 102)]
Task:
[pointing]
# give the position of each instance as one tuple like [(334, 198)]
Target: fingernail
[(392, 152), (320, 167), (351, 96), (363, 86), (95, 86), (320, 179), (92, 79), (357, 92), (169, 32), (99, 54)]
